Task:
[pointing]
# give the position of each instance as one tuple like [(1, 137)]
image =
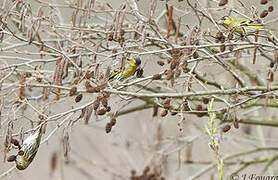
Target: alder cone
[(101, 112), (222, 48), (264, 1), (236, 124), (108, 127), (226, 128), (156, 77), (161, 63), (170, 74), (264, 14), (73, 91), (223, 2), (78, 98), (113, 121)]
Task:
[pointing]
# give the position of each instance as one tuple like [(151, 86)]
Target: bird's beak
[(220, 22)]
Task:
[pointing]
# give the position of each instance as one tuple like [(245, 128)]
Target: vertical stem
[(170, 21)]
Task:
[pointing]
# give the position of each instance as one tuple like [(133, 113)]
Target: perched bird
[(242, 26), (128, 70), (29, 149)]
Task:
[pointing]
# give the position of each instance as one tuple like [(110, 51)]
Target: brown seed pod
[(108, 109), (175, 51), (270, 8), (186, 106), (11, 158), (78, 98), (156, 77), (114, 51), (173, 64), (264, 1), (184, 63), (276, 56), (38, 79), (166, 105), (110, 37), (164, 113), (161, 63), (1, 35), (108, 127), (41, 117), (223, 111), (104, 102), (236, 124), (220, 36), (86, 114), (92, 90), (199, 107), (258, 20), (200, 114), (121, 41), (73, 91), (226, 128), (271, 65), (169, 60), (113, 121), (101, 87), (230, 36), (122, 32), (96, 104), (106, 95), (196, 42), (205, 100), (222, 2), (185, 70), (170, 74), (88, 85), (264, 14), (155, 110), (53, 162), (101, 112), (28, 74), (195, 55), (222, 48), (183, 43), (177, 73), (231, 48), (76, 81), (270, 76)]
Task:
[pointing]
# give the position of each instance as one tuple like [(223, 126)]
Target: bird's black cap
[(138, 61)]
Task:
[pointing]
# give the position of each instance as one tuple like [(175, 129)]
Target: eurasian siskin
[(29, 149), (129, 69)]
